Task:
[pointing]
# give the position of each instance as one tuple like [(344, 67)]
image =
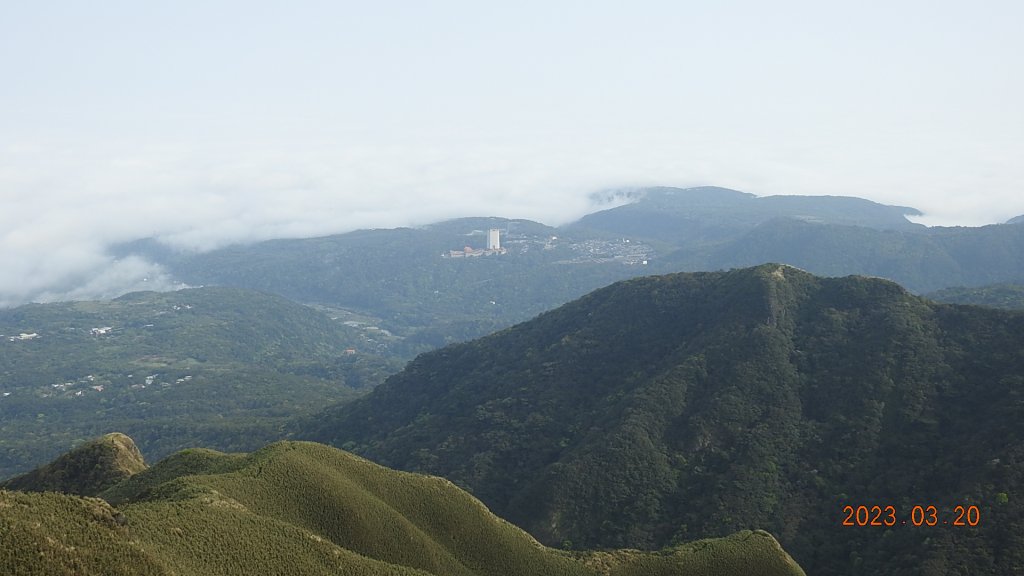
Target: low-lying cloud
[(64, 207), (61, 215)]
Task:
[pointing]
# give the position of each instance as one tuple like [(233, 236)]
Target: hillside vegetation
[(1008, 296), (661, 409), (87, 470), (922, 260), (218, 367), (306, 509)]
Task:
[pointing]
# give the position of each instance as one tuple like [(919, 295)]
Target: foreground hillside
[(664, 408), (307, 509), (215, 367)]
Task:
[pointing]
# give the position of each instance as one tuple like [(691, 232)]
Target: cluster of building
[(493, 247)]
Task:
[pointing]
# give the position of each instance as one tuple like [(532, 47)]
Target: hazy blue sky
[(217, 121)]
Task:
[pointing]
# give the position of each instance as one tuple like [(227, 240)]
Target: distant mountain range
[(216, 367), (400, 280), (689, 217), (714, 229), (662, 408), (301, 509)]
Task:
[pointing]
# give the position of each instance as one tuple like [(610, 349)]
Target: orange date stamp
[(918, 515)]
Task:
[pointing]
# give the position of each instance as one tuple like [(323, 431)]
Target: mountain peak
[(86, 470), (663, 408)]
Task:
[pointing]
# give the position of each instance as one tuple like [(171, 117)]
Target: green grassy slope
[(211, 367), (665, 408), (52, 534), (303, 508)]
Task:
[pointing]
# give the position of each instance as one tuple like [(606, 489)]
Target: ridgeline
[(661, 409), (297, 508)]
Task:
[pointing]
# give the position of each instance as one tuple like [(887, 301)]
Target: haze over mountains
[(399, 278), (702, 228)]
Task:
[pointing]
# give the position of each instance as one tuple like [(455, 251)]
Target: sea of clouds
[(65, 207)]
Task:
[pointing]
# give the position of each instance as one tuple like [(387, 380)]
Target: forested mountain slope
[(307, 509), (920, 260), (1009, 296), (666, 408)]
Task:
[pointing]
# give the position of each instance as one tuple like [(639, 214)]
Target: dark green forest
[(666, 408), (1009, 296)]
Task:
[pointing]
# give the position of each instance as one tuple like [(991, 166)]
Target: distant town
[(622, 250), (493, 247)]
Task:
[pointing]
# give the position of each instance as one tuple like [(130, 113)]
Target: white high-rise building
[(493, 239)]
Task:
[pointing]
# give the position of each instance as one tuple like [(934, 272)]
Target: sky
[(209, 123)]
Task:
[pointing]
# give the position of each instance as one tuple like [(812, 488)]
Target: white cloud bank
[(206, 123), (64, 207)]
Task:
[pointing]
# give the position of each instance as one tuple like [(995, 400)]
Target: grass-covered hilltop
[(667, 408), (299, 508), (87, 470)]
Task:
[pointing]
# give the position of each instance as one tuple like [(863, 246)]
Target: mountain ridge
[(712, 215), (300, 507), (661, 407)]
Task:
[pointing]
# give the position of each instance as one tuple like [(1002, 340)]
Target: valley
[(217, 367)]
